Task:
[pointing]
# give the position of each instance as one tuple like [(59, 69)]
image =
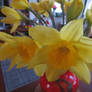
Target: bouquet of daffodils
[(46, 49)]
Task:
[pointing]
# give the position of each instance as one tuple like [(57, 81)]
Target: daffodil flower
[(20, 4), (67, 4), (37, 8), (4, 37), (89, 15), (19, 49), (46, 4), (74, 10), (43, 6), (62, 51), (12, 17)]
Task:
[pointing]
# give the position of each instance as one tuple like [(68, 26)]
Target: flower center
[(62, 55), (27, 50)]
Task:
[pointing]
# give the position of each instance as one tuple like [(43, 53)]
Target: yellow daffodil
[(67, 4), (62, 51), (89, 15), (19, 49), (3, 37), (46, 4), (74, 9), (38, 8), (43, 7), (12, 17), (20, 4)]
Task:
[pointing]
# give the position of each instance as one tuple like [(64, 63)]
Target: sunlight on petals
[(72, 31), (40, 69), (44, 35), (82, 71)]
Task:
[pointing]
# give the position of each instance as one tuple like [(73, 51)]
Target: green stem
[(62, 7), (21, 34), (25, 18), (85, 3), (42, 19), (38, 16), (87, 30), (52, 19)]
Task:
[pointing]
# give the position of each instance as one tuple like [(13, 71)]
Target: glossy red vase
[(66, 83)]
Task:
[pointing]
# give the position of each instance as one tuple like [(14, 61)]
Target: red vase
[(66, 83)]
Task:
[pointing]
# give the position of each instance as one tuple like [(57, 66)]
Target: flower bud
[(89, 15), (20, 4), (75, 9)]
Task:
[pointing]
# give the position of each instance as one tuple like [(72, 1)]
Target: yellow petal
[(5, 36), (40, 69), (82, 71), (86, 41), (46, 14), (10, 12), (20, 4), (15, 27), (53, 74), (36, 6), (20, 62), (46, 4), (39, 58), (89, 66), (7, 20), (7, 10), (84, 49), (44, 35), (26, 48), (17, 60), (12, 16), (72, 31), (7, 50), (1, 44), (13, 63)]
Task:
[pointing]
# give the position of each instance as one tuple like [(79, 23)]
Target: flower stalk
[(62, 7), (26, 19), (87, 30), (38, 16), (52, 19), (85, 3)]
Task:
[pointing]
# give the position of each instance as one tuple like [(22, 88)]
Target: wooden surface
[(28, 88), (32, 86), (35, 87)]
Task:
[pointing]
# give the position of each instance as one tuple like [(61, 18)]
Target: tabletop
[(35, 86)]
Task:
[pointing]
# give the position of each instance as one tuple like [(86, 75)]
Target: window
[(89, 6)]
